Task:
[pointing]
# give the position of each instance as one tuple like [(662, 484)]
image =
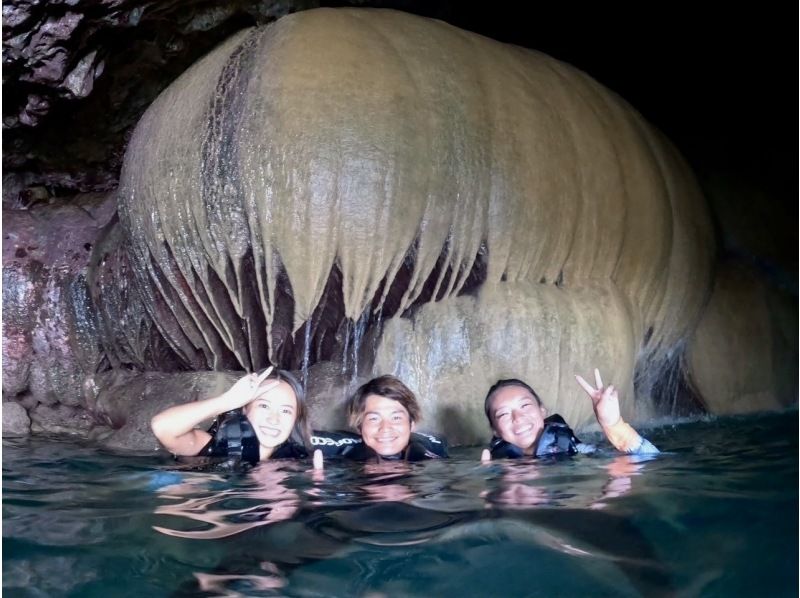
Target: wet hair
[(388, 387), (301, 433), (487, 403)]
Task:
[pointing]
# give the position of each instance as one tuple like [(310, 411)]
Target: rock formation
[(349, 164), (354, 191)]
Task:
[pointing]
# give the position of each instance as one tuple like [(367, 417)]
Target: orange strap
[(623, 436)]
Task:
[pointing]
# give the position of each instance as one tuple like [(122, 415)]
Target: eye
[(287, 411), (527, 405), (500, 416)]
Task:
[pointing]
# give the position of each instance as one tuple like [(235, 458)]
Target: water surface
[(715, 515)]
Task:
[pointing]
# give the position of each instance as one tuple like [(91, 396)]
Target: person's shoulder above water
[(348, 445), (385, 414), (555, 439), (522, 428), (424, 445), (262, 416), (335, 444)]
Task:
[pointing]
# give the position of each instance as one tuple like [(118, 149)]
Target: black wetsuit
[(350, 446), (557, 438), (232, 435)]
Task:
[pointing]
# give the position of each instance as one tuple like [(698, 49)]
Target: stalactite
[(402, 161)]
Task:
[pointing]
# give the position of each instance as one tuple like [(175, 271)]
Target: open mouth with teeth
[(269, 431), (386, 441), (385, 445)]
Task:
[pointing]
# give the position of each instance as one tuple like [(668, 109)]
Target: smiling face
[(386, 426), (517, 417), (273, 415)]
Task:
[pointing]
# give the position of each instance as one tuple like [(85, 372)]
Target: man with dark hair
[(385, 413)]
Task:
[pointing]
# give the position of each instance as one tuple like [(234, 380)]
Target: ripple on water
[(716, 514)]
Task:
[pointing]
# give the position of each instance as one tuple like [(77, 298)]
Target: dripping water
[(358, 334), (346, 351), (306, 352), (377, 335)]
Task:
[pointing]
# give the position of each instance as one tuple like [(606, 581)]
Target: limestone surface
[(348, 165)]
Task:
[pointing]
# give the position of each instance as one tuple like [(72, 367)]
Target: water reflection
[(349, 511), (79, 523), (515, 487), (236, 586), (234, 510), (524, 485), (620, 471), (388, 482)]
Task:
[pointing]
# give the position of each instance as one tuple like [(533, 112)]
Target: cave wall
[(344, 145), (50, 330), (72, 311)]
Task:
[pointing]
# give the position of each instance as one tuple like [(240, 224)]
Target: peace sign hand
[(247, 388), (605, 400)]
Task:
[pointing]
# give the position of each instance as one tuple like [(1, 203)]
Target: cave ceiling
[(77, 75)]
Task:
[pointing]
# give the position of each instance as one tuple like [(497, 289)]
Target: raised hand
[(605, 400), (247, 388), (175, 427)]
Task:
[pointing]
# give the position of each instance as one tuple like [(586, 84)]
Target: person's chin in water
[(387, 425), (517, 417), (384, 411)]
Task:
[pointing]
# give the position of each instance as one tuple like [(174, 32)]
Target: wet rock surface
[(124, 402), (50, 334), (85, 71), (78, 75), (15, 419)]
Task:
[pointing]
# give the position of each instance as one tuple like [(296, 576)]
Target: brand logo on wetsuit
[(322, 441)]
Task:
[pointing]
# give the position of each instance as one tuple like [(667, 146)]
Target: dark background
[(721, 82)]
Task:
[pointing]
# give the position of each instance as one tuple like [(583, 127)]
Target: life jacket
[(350, 446), (232, 436), (557, 438)]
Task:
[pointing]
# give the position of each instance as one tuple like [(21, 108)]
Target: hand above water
[(318, 461), (605, 400), (317, 470), (247, 388)]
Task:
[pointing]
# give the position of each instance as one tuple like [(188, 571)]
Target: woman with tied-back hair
[(522, 429), (265, 418)]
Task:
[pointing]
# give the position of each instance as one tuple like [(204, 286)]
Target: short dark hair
[(300, 432), (487, 403), (384, 386)]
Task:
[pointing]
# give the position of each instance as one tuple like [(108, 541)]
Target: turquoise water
[(716, 515)]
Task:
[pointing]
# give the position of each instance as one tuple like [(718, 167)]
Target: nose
[(272, 416)]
